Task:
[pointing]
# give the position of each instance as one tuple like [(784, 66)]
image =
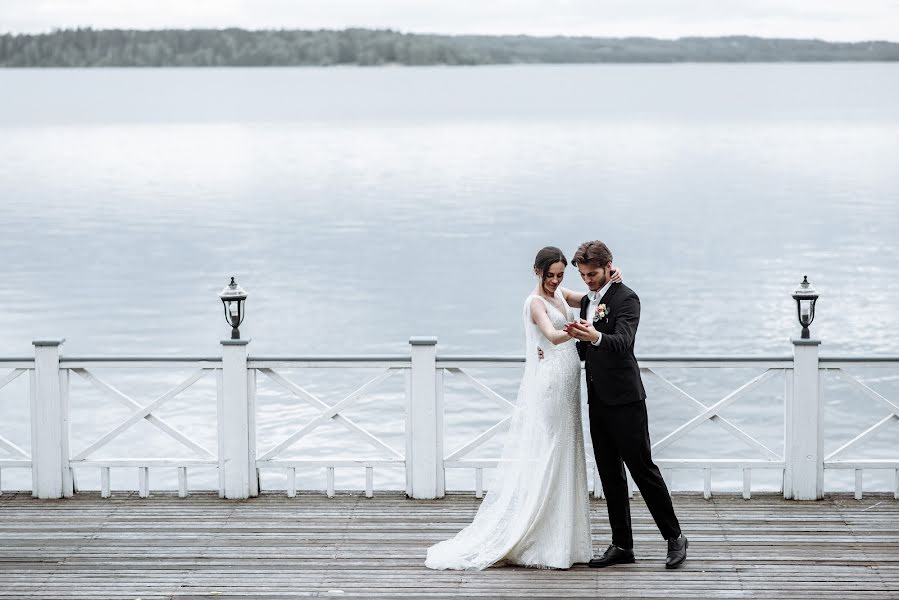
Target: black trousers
[(621, 437)]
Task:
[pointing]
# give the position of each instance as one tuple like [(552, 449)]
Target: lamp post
[(804, 422), (238, 475), (233, 298), (805, 297)]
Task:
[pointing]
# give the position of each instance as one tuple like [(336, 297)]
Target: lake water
[(361, 206)]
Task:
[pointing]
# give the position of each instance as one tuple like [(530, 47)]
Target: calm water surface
[(362, 206)]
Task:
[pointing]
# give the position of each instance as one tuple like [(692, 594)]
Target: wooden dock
[(350, 546)]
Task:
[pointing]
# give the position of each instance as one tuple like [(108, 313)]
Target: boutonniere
[(602, 311)]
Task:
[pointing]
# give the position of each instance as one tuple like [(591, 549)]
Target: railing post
[(424, 423), (50, 471), (234, 422), (803, 456)]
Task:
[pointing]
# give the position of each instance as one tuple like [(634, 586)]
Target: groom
[(616, 401)]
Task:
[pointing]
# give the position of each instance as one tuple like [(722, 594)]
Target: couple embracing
[(536, 509)]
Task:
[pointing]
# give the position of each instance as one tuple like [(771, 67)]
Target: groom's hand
[(582, 330)]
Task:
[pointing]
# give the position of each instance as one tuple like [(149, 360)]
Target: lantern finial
[(806, 296), (233, 298)]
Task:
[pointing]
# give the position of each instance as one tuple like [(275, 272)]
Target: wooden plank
[(274, 546)]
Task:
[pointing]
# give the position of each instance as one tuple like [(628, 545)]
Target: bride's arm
[(541, 320), (573, 298)]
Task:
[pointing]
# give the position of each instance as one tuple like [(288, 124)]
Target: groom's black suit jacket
[(613, 375)]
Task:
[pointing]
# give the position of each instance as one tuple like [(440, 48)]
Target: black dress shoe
[(677, 552), (612, 556)]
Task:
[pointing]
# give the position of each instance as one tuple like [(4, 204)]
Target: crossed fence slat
[(13, 449), (893, 416), (5, 443), (328, 412), (481, 387), (893, 408), (727, 425), (483, 437), (712, 410), (143, 412), (10, 377), (709, 413), (480, 439)]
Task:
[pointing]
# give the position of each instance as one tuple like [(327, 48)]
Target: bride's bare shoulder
[(536, 303)]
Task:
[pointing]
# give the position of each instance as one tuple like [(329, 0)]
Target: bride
[(536, 510)]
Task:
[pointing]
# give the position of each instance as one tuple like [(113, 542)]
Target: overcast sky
[(850, 20)]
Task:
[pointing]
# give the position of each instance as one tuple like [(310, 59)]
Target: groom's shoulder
[(625, 293)]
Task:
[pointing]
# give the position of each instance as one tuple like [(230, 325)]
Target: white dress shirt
[(595, 297)]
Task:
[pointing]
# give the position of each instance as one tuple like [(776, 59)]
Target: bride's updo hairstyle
[(546, 258)]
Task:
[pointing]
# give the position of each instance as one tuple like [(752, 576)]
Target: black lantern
[(805, 297), (233, 297)]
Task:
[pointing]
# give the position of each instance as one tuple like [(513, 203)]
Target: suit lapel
[(585, 303), (609, 293), (607, 298)]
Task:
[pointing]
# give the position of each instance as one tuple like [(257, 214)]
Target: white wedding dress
[(535, 512)]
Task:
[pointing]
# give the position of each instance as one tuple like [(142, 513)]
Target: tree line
[(86, 47)]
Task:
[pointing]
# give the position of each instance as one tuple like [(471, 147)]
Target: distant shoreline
[(88, 48)]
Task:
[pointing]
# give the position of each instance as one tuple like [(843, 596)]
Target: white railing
[(425, 459), (765, 457), (85, 368), (838, 460), (17, 457), (650, 367), (386, 454)]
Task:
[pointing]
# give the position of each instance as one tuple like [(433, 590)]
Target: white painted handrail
[(424, 458)]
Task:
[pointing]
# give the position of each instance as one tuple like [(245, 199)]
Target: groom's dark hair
[(593, 253)]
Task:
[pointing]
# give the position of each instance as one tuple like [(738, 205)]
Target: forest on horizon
[(86, 47)]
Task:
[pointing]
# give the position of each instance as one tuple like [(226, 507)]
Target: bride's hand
[(616, 276)]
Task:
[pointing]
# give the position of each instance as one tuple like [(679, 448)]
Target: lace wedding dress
[(535, 512)]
